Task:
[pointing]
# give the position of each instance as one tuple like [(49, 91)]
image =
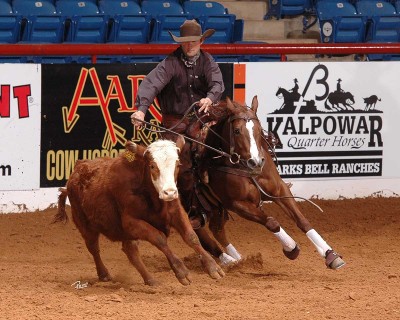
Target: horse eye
[(236, 131)]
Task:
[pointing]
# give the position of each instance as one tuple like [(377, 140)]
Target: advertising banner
[(333, 120), (86, 114), (20, 103)]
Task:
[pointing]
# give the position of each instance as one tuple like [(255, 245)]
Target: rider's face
[(191, 48)]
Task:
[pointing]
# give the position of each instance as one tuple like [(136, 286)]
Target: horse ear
[(180, 142), (229, 104), (254, 104)]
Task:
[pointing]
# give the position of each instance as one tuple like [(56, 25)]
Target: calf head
[(162, 159)]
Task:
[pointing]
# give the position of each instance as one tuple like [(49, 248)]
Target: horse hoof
[(292, 255), (333, 260), (227, 260)]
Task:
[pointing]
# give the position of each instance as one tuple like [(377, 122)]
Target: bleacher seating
[(282, 8), (39, 21), (383, 25), (83, 21), (213, 15), (340, 22), (166, 16), (126, 22), (9, 24)]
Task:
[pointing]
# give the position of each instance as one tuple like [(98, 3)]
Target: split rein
[(234, 158)]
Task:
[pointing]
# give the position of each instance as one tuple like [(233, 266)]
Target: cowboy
[(295, 89), (186, 76), (338, 86)]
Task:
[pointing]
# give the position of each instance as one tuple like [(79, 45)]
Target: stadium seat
[(282, 8), (126, 22), (200, 8), (166, 16), (339, 22), (370, 8), (83, 21), (9, 25), (213, 15), (40, 22), (383, 21)]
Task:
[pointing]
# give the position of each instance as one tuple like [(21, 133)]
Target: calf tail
[(61, 215)]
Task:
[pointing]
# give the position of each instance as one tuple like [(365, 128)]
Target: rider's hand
[(136, 117), (205, 105)]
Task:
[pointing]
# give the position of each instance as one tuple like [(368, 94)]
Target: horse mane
[(220, 112)]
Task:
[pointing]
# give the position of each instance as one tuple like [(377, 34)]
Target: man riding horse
[(186, 76)]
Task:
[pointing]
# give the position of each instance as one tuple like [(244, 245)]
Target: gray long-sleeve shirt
[(177, 86)]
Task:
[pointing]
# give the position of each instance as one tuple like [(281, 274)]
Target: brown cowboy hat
[(190, 30)]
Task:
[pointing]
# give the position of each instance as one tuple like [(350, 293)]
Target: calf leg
[(131, 250), (92, 243), (139, 229), (181, 223)]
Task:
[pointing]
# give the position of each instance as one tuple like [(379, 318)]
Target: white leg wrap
[(231, 250), (287, 242), (226, 259), (318, 242)]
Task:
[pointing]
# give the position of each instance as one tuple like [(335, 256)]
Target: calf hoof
[(333, 260), (185, 281), (292, 255), (105, 278), (151, 282)]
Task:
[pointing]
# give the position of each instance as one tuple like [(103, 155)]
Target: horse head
[(244, 133)]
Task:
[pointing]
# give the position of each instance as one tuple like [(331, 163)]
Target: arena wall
[(52, 115)]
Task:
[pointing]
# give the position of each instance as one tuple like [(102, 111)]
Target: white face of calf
[(164, 168)]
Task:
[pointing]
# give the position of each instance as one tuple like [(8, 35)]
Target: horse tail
[(61, 215)]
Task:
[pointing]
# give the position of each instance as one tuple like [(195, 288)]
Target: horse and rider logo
[(333, 101)]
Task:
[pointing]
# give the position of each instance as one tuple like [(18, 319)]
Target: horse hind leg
[(217, 227)]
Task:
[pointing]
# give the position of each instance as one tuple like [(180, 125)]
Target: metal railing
[(94, 50)]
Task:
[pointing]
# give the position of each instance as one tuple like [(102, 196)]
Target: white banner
[(334, 120), (20, 104)]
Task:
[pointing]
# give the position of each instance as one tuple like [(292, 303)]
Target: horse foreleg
[(217, 227), (253, 213), (291, 208)]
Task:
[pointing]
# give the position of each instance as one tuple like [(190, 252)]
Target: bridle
[(233, 157)]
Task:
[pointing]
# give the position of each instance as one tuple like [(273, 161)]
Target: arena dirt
[(46, 271)]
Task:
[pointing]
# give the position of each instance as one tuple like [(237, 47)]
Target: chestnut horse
[(241, 177)]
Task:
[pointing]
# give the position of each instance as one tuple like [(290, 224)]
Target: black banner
[(86, 113)]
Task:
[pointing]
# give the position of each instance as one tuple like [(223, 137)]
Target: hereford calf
[(132, 197)]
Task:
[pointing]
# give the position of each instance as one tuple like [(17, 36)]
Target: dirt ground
[(47, 273)]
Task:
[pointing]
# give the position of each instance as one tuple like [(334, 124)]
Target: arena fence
[(95, 50)]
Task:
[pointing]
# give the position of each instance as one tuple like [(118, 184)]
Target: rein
[(163, 129)]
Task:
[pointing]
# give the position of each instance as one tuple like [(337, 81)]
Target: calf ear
[(180, 142), (135, 148)]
